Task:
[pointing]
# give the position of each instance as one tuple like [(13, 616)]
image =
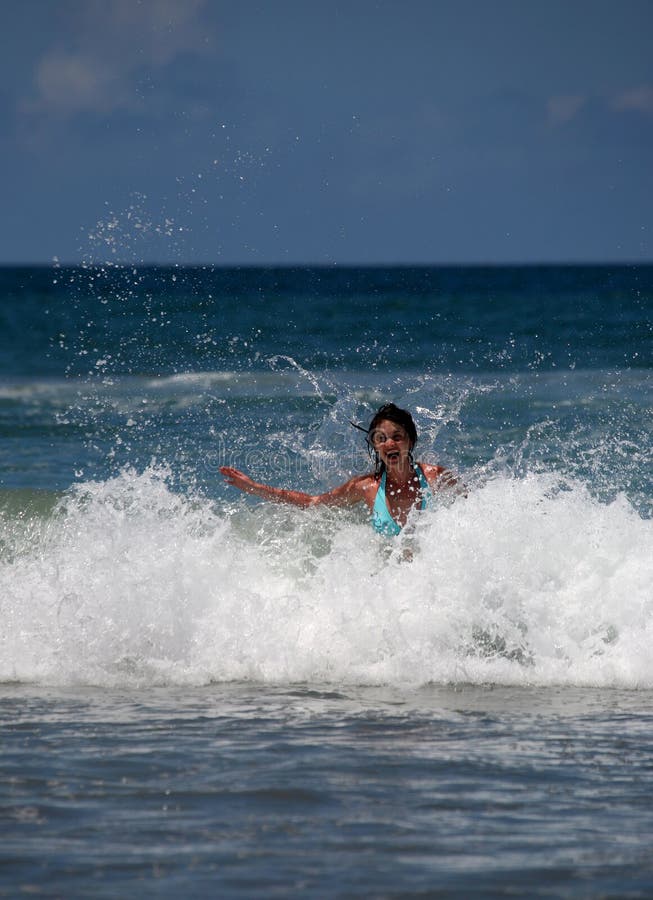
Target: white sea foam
[(524, 582)]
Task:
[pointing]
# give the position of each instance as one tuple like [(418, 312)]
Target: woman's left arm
[(441, 479)]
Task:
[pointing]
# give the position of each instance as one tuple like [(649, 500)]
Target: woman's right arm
[(353, 491), (244, 483)]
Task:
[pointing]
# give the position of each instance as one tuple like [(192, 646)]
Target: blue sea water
[(202, 694)]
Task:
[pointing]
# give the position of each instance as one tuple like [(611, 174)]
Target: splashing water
[(130, 583)]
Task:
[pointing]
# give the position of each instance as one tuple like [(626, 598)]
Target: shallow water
[(250, 790)]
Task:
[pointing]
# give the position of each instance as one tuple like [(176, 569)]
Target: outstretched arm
[(244, 483), (345, 495)]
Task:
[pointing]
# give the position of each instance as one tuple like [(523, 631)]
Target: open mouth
[(392, 456)]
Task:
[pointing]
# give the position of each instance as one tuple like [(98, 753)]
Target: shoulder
[(362, 485), (437, 476), (431, 471)]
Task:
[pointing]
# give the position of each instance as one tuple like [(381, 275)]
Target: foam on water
[(527, 581)]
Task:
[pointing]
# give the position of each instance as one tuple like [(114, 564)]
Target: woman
[(396, 487)]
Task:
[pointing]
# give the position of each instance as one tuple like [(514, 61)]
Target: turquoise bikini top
[(382, 521)]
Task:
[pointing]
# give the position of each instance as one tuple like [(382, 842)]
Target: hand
[(237, 479)]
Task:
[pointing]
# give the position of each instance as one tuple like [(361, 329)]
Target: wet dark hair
[(388, 413)]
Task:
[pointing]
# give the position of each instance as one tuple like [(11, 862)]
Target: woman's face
[(392, 443)]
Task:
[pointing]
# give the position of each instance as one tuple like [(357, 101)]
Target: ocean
[(202, 694)]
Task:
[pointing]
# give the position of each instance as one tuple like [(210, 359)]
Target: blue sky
[(297, 131)]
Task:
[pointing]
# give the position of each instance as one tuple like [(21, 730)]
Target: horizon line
[(120, 264)]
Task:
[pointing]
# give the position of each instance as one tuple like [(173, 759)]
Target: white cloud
[(106, 45), (563, 109), (69, 83), (639, 99)]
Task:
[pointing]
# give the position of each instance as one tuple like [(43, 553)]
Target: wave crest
[(128, 582)]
